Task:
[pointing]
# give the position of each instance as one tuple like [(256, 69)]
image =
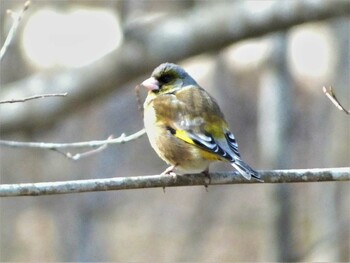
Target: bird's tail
[(245, 170)]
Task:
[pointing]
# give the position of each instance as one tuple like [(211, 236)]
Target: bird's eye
[(165, 78)]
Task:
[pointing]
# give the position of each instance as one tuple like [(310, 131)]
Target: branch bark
[(200, 30), (16, 17), (152, 181), (34, 97), (98, 145), (52, 146), (330, 93)]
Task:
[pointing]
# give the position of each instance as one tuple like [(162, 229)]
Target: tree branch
[(330, 93), (99, 144), (16, 17), (34, 97), (152, 181), (200, 30)]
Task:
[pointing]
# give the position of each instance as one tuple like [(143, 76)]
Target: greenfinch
[(185, 125)]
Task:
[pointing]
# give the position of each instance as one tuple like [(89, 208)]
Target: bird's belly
[(187, 158)]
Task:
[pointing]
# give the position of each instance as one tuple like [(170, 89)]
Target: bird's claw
[(169, 172), (207, 176)]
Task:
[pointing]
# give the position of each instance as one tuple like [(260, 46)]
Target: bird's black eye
[(165, 78)]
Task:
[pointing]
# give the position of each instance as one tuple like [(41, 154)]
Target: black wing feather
[(232, 143), (208, 143)]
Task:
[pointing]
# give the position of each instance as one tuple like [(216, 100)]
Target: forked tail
[(245, 170)]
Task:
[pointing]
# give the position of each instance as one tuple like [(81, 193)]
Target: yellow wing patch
[(182, 135), (211, 156)]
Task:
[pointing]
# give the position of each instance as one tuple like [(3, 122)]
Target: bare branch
[(34, 97), (199, 30), (16, 17), (138, 99), (78, 156), (152, 181), (330, 93), (54, 146)]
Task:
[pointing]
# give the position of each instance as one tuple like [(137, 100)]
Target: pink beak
[(151, 84)]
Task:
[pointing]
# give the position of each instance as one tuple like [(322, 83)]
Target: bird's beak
[(151, 84)]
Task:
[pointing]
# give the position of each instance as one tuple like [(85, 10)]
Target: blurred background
[(264, 61)]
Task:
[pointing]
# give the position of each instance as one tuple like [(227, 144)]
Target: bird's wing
[(200, 122)]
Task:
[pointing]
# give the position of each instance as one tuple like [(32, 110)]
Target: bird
[(185, 125)]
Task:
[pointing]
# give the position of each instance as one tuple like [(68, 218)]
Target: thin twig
[(138, 99), (152, 181), (34, 97), (42, 145), (16, 17), (330, 93), (79, 156)]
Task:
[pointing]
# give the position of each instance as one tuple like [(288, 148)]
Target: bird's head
[(168, 78)]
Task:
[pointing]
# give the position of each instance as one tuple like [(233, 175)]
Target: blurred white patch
[(70, 39), (312, 54), (249, 54), (258, 6), (199, 67)]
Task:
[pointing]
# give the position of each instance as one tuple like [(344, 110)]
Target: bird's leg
[(169, 171), (207, 175)]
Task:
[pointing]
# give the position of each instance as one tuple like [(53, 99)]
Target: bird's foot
[(169, 171), (207, 175)]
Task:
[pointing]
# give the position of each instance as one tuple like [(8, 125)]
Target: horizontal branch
[(51, 146), (152, 181), (34, 97), (202, 29), (97, 145)]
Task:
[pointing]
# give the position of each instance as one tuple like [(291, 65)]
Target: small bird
[(185, 125)]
